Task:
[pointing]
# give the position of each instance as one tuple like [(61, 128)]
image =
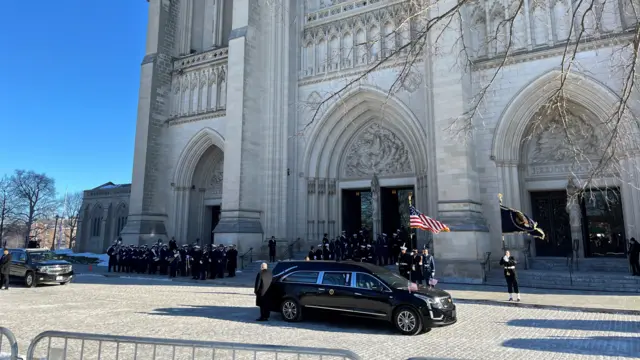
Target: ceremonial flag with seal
[(516, 222), (418, 220)]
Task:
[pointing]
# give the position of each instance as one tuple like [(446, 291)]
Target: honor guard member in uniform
[(112, 251), (381, 247), (325, 239), (182, 265), (428, 265), (232, 260), (272, 249), (416, 269), (337, 246), (343, 237), (404, 263), (205, 260), (222, 264), (395, 247), (312, 253), (509, 264), (318, 253), (174, 261), (369, 250), (326, 254), (196, 255)]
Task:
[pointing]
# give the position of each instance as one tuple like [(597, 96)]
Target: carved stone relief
[(332, 187), (557, 143), (412, 82), (321, 186), (215, 185), (377, 150), (311, 186)]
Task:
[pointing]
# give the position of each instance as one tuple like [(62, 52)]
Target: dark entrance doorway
[(603, 224), (549, 210), (356, 205), (395, 211), (215, 218)]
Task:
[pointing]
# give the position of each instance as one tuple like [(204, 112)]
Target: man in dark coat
[(634, 256), (5, 264), (272, 249), (232, 261), (263, 282)]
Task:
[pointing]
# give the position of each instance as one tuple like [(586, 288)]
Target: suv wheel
[(407, 321), (29, 280), (290, 310)]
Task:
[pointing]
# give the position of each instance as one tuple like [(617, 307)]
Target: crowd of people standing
[(206, 262), (417, 266)]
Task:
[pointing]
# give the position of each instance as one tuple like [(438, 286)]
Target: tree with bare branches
[(36, 198), (70, 213), (7, 207)]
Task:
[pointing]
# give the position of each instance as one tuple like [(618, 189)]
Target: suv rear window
[(306, 277)]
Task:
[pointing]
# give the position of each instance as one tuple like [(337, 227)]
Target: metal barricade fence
[(8, 349), (57, 345)]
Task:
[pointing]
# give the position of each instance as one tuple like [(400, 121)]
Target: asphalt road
[(138, 307)]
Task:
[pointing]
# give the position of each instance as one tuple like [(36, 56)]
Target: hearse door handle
[(358, 294), (321, 290)]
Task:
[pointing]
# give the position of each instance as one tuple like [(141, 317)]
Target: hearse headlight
[(43, 269), (433, 302)]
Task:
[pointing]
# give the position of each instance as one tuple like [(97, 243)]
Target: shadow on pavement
[(312, 321), (595, 346), (632, 327), (135, 279)]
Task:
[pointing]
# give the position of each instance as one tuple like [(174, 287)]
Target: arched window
[(121, 218), (96, 220)]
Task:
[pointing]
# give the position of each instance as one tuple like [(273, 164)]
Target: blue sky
[(70, 89)]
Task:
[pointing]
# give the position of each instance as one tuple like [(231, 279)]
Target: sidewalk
[(567, 300)]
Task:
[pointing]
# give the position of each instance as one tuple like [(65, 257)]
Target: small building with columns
[(225, 150)]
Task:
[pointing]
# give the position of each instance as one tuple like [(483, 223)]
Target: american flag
[(418, 220)]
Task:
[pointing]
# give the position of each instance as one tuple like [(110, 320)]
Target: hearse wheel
[(291, 310), (407, 321), (29, 280)]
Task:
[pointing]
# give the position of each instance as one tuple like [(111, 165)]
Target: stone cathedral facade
[(225, 150)]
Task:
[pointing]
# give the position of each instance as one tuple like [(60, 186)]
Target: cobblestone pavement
[(133, 307)]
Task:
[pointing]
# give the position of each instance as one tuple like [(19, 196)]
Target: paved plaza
[(139, 307)]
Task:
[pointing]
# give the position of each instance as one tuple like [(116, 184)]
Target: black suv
[(358, 289), (39, 266)]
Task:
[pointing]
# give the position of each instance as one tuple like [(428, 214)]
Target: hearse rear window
[(307, 277)]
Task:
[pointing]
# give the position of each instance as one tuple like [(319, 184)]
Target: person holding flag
[(515, 222)]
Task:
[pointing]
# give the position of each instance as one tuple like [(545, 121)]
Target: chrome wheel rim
[(406, 321), (289, 310), (29, 279)]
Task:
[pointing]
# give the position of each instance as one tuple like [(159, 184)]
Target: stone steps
[(550, 279), (608, 265)]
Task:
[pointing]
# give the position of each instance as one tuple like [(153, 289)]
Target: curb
[(547, 307), (209, 282)]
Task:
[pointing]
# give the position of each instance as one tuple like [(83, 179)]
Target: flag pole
[(504, 244)]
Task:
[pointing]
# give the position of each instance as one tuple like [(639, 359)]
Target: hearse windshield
[(392, 279)]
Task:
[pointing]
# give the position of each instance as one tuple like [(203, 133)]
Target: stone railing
[(541, 24), (199, 84)]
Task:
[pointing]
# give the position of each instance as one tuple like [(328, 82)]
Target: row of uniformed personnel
[(207, 262)]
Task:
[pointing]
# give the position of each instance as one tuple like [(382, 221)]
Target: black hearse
[(358, 289), (39, 266)]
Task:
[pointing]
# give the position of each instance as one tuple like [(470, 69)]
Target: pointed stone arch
[(192, 153), (350, 114)]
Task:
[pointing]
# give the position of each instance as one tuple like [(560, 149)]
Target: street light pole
[(55, 229)]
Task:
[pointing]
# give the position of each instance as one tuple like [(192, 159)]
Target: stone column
[(147, 209), (208, 39), (375, 207), (242, 187), (460, 251)]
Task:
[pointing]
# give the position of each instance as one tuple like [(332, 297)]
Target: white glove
[(433, 274)]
